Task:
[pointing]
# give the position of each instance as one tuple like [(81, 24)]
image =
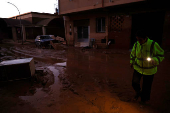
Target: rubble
[(44, 76), (57, 42), (57, 45)]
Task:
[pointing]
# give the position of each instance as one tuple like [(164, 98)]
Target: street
[(80, 81)]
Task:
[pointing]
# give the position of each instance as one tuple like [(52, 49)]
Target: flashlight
[(148, 59)]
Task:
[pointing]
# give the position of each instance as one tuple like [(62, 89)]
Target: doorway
[(152, 22), (82, 32)]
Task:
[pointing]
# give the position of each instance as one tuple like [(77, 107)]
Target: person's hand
[(131, 65)]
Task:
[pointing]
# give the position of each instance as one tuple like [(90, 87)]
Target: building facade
[(113, 23), (31, 25)]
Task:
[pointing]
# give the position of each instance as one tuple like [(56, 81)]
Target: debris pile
[(58, 42), (44, 76), (17, 69)]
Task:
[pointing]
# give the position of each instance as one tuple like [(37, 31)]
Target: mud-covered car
[(43, 40)]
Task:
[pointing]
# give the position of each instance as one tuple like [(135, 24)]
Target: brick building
[(33, 24), (114, 20)]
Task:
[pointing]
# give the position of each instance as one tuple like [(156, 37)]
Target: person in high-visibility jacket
[(144, 58)]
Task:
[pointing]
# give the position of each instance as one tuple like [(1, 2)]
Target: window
[(100, 25)]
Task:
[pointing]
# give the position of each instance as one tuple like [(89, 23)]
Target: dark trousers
[(146, 87)]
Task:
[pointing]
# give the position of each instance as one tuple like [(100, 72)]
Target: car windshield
[(45, 37)]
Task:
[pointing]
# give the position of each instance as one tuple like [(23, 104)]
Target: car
[(43, 40)]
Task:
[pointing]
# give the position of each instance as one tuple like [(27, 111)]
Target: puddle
[(43, 94), (61, 64), (56, 84)]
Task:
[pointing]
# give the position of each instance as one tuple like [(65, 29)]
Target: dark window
[(100, 23)]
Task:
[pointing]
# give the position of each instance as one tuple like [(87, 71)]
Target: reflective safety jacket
[(141, 52)]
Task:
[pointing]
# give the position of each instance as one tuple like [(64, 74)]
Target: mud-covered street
[(77, 80)]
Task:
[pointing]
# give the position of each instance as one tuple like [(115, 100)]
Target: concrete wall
[(120, 31), (29, 15), (69, 29), (70, 6), (39, 15), (34, 14), (34, 17), (98, 35), (56, 31), (32, 32)]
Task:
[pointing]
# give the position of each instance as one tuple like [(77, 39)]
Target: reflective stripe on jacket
[(141, 52)]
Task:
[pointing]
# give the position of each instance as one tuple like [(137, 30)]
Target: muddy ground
[(79, 81)]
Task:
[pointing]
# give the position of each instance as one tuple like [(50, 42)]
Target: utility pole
[(20, 20)]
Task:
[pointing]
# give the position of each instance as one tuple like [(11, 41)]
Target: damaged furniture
[(17, 69)]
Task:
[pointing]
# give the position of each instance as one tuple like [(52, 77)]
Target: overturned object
[(59, 39), (17, 69)]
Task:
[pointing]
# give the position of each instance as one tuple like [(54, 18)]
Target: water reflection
[(52, 88), (61, 64)]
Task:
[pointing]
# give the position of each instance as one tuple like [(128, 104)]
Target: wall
[(32, 32), (68, 26), (41, 15), (56, 31), (96, 35), (34, 17), (70, 6), (120, 30), (29, 15)]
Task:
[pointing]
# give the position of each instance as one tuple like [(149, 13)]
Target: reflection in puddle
[(56, 84), (61, 64), (41, 93)]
